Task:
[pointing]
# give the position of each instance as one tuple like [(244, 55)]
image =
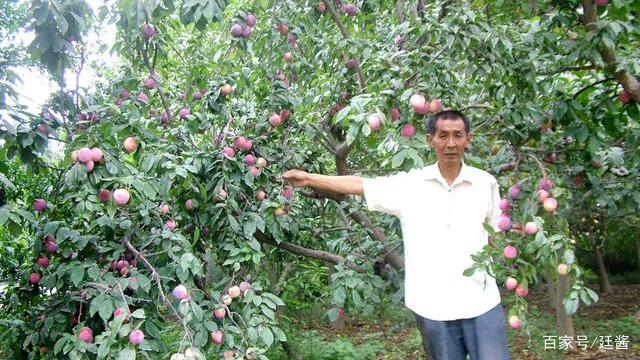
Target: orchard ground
[(391, 333)]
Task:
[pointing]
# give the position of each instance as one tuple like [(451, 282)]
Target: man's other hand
[(297, 178)]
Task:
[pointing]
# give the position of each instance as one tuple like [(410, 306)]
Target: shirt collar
[(432, 172)]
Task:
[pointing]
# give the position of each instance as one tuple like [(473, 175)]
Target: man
[(442, 208)]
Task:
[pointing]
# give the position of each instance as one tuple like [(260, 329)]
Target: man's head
[(449, 135)]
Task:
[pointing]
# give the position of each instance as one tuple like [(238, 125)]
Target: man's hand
[(297, 178), (345, 185)]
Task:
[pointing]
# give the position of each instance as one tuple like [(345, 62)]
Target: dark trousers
[(483, 337)]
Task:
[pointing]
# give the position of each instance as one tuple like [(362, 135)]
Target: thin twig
[(591, 85), (542, 169), (569, 68), (123, 298), (154, 273)]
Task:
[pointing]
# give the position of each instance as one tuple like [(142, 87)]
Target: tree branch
[(154, 274), (315, 254), (57, 139), (540, 165), (63, 116), (82, 59), (591, 85), (343, 31), (390, 256), (220, 136), (623, 76), (444, 9), (336, 18), (288, 267), (325, 141), (476, 106), (500, 168), (152, 73), (569, 68)]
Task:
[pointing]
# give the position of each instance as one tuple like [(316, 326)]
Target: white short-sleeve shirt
[(441, 228)]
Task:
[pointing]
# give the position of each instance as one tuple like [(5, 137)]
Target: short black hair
[(447, 115)]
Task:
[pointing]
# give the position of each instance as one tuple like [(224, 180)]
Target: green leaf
[(59, 345), (592, 295), (469, 271), (490, 229), (93, 273), (249, 227), (4, 215), (200, 338), (104, 349), (357, 300), (11, 128), (584, 297), (398, 159), (266, 335), (268, 312), (234, 223), (50, 228), (253, 334), (254, 244), (280, 335), (185, 261), (77, 274), (211, 325), (274, 298), (138, 314), (569, 256), (571, 305), (366, 130), (96, 303), (259, 222), (148, 162), (128, 353), (152, 329), (106, 309), (332, 314), (7, 183), (339, 296)]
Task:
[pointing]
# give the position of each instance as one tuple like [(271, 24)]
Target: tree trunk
[(444, 9), (551, 289), (534, 7), (422, 8), (210, 264), (289, 350), (414, 12), (400, 11), (564, 323), (279, 285), (638, 251), (277, 282), (603, 276), (605, 285)]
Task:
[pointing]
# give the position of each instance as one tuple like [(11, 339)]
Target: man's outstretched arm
[(346, 185)]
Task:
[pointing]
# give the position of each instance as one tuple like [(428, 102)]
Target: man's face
[(449, 141)]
